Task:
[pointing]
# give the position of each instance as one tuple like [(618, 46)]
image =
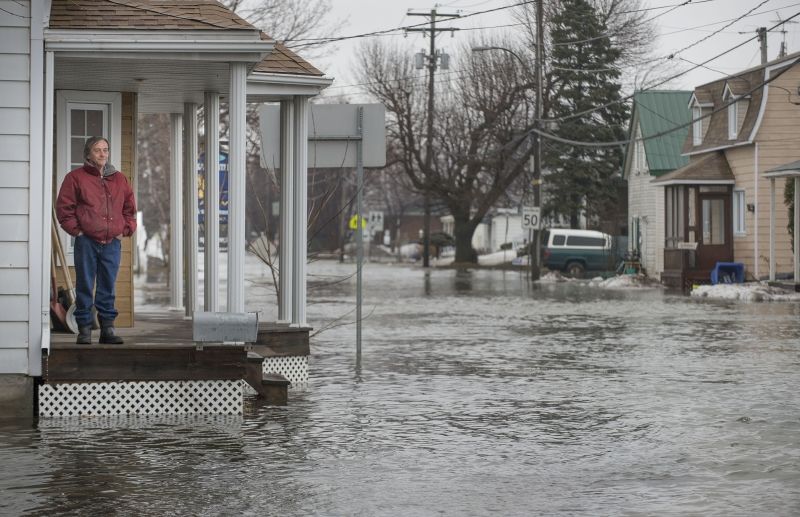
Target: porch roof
[(144, 14), (788, 170), (711, 169), (283, 61)]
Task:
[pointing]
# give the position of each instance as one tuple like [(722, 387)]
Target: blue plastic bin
[(727, 273)]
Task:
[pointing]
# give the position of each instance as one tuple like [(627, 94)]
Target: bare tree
[(480, 142), (288, 20)]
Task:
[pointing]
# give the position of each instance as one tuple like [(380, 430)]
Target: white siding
[(14, 360), (14, 333), (13, 228), (646, 202), (16, 121), (13, 281), (14, 255), (14, 184), (13, 307), (14, 174)]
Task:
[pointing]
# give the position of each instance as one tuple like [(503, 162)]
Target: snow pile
[(555, 277), (624, 282), (749, 292), (497, 258)]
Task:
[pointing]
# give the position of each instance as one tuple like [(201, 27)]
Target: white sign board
[(332, 129), (375, 222), (531, 218)]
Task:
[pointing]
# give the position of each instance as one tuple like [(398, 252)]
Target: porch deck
[(159, 349)]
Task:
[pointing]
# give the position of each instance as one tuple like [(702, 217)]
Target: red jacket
[(101, 207)]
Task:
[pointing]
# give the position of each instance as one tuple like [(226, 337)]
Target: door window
[(713, 221)]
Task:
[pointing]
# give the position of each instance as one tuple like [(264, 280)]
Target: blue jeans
[(100, 262)]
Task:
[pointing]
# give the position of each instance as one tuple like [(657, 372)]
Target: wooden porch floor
[(160, 347)]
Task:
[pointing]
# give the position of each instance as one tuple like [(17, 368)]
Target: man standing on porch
[(96, 206)]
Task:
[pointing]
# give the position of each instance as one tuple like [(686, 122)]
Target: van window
[(559, 240), (576, 240)]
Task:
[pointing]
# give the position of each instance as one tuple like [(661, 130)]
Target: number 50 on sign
[(531, 218)]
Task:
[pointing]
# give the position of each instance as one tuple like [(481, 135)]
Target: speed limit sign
[(531, 218)]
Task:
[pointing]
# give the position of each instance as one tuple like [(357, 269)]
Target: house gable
[(746, 90)]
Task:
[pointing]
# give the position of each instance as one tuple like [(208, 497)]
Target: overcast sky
[(676, 29)]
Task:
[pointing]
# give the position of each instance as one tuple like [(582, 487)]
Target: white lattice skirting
[(294, 368), (142, 398)]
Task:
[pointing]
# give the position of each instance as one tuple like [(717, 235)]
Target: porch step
[(271, 387)]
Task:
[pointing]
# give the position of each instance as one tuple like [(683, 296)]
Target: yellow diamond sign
[(354, 222)]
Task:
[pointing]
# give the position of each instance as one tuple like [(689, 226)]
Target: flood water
[(477, 394)]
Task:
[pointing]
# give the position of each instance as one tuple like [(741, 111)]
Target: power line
[(618, 143), (628, 97), (317, 41), (303, 42)]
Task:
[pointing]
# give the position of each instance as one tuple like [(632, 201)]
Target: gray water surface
[(477, 395)]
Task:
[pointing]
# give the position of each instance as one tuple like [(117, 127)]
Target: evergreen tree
[(584, 76)]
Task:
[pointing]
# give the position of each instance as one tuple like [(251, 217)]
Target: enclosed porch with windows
[(789, 171), (698, 220)]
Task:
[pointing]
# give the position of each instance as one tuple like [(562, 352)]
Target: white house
[(74, 68), (654, 112)]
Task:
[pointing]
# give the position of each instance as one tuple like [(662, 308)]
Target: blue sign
[(223, 188)]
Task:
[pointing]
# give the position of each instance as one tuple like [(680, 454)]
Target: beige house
[(717, 208)]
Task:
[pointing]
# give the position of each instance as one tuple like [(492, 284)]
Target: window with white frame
[(733, 122), (697, 126), (739, 210)]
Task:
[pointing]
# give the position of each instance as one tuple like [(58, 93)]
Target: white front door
[(79, 116)]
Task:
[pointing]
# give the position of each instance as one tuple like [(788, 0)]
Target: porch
[(161, 370), (699, 226)]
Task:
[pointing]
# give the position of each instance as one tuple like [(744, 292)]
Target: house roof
[(747, 82), (703, 97), (717, 132), (659, 111), (739, 86), (172, 15), (144, 14), (784, 171), (710, 168), (283, 61)]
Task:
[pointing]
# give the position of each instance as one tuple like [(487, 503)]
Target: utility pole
[(431, 31), (536, 270), (762, 40)]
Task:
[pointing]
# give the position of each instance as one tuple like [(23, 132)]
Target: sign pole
[(359, 225)]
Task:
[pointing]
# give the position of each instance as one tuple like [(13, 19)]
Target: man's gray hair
[(87, 148)]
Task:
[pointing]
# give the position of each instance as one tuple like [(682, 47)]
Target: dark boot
[(84, 335), (107, 334)]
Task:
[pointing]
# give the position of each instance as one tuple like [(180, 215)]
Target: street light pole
[(535, 245)]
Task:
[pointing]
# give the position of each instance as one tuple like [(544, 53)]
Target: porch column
[(176, 211), (211, 199), (796, 232), (237, 109), (285, 244), (772, 229), (190, 205), (300, 219)]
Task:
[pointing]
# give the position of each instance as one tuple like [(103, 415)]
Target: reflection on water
[(477, 394)]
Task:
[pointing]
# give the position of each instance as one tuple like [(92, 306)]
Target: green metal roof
[(659, 111)]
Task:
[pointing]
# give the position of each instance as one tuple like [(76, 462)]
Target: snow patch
[(749, 292), (497, 258), (625, 282)]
